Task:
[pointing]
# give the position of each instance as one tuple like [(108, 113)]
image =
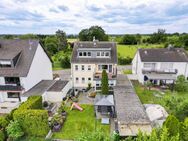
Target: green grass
[(127, 71), (78, 122), (130, 50), (71, 39), (147, 96)]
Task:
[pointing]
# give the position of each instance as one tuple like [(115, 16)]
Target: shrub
[(181, 84), (45, 104), (65, 62), (3, 122), (2, 135), (124, 60), (33, 122), (173, 125), (14, 130), (33, 102)]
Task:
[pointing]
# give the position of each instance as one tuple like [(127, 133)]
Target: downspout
[(186, 70), (136, 62)]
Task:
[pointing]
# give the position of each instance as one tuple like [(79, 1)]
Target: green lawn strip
[(78, 122)]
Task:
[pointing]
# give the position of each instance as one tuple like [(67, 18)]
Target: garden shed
[(50, 90), (104, 106)]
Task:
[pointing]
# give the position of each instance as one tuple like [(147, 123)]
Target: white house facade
[(23, 64), (160, 66), (88, 61)]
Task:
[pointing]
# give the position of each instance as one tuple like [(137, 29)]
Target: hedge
[(32, 118), (33, 122), (124, 60), (33, 102), (2, 135)]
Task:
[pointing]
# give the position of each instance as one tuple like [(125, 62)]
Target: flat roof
[(57, 86), (131, 115), (46, 86), (39, 88)]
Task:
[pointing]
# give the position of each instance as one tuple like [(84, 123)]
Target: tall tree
[(51, 45), (62, 40), (84, 35), (104, 83), (129, 40), (94, 31), (158, 37)]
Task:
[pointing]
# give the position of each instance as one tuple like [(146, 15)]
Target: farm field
[(130, 50)]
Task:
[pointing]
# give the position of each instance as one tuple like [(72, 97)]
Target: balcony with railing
[(160, 71), (98, 76), (12, 84)]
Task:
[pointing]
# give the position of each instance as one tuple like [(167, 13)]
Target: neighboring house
[(88, 61), (23, 64), (160, 66), (50, 90)]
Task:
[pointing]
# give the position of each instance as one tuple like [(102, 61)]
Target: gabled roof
[(94, 45), (10, 48), (163, 55), (103, 100)]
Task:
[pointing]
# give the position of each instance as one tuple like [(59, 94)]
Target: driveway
[(121, 68), (64, 74)]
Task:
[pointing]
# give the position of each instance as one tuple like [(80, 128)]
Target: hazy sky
[(115, 16)]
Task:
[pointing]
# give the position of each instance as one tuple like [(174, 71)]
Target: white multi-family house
[(88, 61), (160, 66), (23, 64)]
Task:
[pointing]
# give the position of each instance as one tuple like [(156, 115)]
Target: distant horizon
[(115, 17)]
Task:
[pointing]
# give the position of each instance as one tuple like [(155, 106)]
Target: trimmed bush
[(33, 102), (33, 122), (32, 119)]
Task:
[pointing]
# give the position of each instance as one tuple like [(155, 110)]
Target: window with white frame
[(98, 53), (80, 53), (89, 67), (107, 54), (85, 54), (82, 67), (102, 53), (83, 80), (76, 67), (89, 54), (89, 78), (77, 80)]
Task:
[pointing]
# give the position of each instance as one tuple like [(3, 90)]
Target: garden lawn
[(130, 50), (147, 96), (78, 122)]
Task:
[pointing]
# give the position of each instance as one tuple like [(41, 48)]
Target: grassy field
[(130, 50), (78, 122)]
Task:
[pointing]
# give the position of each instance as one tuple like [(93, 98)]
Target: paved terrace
[(131, 115)]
